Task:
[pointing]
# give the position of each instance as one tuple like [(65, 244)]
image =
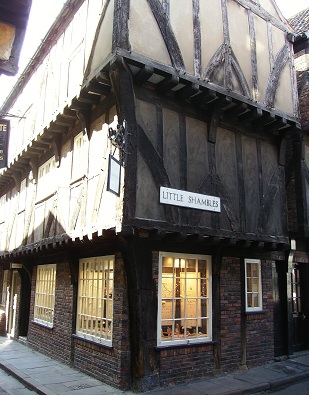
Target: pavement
[(47, 376)]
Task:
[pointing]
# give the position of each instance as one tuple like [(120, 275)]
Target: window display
[(184, 289)]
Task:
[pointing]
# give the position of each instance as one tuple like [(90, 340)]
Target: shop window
[(95, 299), (253, 285), (45, 295), (184, 313)]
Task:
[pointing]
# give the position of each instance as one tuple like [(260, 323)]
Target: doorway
[(12, 299), (300, 311)]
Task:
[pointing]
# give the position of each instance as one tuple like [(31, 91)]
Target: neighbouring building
[(295, 302), (144, 235)]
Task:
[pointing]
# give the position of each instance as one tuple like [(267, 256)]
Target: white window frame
[(179, 331), (46, 179), (79, 156), (95, 310), (45, 288), (258, 290)]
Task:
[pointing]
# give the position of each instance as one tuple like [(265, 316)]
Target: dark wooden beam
[(187, 91), (205, 97), (251, 115), (144, 74), (168, 84)]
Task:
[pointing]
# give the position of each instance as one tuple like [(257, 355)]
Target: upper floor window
[(95, 299), (184, 312), (22, 195), (45, 295), (253, 285), (79, 156), (46, 179)]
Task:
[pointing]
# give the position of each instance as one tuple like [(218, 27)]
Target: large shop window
[(184, 313), (95, 299), (253, 285), (45, 295)]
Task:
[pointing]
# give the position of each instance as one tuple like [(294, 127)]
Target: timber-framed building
[(144, 215)]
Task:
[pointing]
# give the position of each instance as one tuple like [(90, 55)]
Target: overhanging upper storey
[(235, 47)]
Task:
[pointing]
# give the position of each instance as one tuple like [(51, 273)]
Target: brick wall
[(184, 364), (259, 327), (55, 342), (230, 294)]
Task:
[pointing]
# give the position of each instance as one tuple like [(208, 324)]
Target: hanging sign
[(176, 197), (4, 138), (114, 173)]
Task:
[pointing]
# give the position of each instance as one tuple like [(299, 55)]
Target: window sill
[(185, 345), (252, 312), (85, 339), (42, 324)]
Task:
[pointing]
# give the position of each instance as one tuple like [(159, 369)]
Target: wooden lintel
[(144, 74), (251, 115), (157, 234), (187, 91), (69, 113), (271, 246), (33, 151), (61, 129), (103, 78), (79, 105), (98, 88), (243, 243), (236, 110), (20, 165), (212, 240), (196, 238), (223, 102), (266, 118), (40, 145), (279, 123), (89, 98), (167, 84), (228, 242), (257, 245), (205, 97), (64, 121), (176, 237)]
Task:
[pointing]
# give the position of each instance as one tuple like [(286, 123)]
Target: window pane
[(95, 298), (253, 285), (45, 295), (184, 298)]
